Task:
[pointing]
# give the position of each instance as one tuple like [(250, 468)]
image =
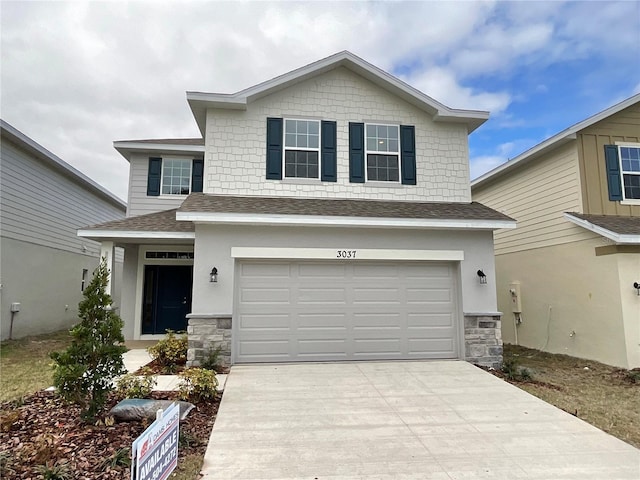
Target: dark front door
[(167, 298)]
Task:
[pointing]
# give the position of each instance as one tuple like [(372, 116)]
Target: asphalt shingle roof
[(615, 223), (200, 202), (153, 222)]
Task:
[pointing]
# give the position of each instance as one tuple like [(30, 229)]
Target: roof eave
[(621, 238), (228, 218), (126, 148), (556, 141)]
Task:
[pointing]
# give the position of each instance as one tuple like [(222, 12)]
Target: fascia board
[(135, 234), (313, 220), (126, 148), (616, 237)]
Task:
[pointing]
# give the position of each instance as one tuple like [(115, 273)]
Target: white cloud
[(480, 165), (441, 84)]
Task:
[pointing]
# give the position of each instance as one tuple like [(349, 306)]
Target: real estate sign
[(155, 452)]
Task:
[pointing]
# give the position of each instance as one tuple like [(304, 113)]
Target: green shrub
[(134, 386), (198, 384), (59, 471), (171, 351), (212, 360), (514, 372), (84, 372), (121, 458)]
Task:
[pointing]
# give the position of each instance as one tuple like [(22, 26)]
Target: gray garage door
[(319, 311)]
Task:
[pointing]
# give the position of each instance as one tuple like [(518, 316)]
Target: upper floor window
[(174, 176), (301, 148), (383, 152), (630, 169)]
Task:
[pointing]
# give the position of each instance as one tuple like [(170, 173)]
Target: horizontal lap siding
[(45, 207), (621, 127), (537, 195), (139, 202)]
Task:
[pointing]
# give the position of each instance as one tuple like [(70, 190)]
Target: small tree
[(84, 372)]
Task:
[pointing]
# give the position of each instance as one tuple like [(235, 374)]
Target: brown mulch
[(503, 376), (41, 429)]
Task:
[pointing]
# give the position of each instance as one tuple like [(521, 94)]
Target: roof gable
[(552, 143), (200, 102)]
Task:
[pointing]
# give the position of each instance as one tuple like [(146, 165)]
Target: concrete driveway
[(400, 420)]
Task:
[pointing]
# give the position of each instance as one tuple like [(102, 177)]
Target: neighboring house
[(575, 256), (327, 215), (43, 264)]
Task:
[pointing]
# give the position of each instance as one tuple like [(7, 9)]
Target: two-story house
[(568, 276), (44, 265), (325, 215)]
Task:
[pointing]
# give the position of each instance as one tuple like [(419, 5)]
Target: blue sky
[(78, 75)]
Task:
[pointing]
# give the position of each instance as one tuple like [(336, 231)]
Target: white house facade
[(324, 215)]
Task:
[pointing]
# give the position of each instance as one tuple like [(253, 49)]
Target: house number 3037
[(346, 254)]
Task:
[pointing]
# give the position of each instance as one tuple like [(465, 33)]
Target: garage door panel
[(376, 295), (271, 270), (321, 347), (322, 311), (423, 320), (266, 295), (322, 321), (321, 295), (265, 322)]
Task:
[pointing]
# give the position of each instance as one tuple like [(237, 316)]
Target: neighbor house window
[(383, 152), (176, 176), (301, 148), (630, 169)]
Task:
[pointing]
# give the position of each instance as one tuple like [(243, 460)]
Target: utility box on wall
[(516, 298)]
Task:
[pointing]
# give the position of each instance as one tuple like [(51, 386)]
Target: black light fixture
[(213, 276), (636, 285), (482, 277)]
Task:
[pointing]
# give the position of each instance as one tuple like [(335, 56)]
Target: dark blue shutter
[(356, 152), (153, 177), (408, 154), (614, 179), (197, 174), (328, 152), (274, 148)]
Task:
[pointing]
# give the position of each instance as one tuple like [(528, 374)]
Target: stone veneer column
[(207, 333), (483, 339)]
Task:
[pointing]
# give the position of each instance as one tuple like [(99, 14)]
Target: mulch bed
[(156, 368), (502, 375), (41, 429)]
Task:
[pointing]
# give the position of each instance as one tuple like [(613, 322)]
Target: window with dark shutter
[(356, 152), (328, 152), (274, 148), (197, 176), (408, 157), (614, 180), (154, 176)]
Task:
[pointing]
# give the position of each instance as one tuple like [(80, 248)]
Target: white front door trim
[(346, 254)]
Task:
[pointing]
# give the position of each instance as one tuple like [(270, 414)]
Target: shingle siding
[(235, 157)]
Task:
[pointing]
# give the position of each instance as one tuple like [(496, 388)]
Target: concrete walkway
[(400, 420)]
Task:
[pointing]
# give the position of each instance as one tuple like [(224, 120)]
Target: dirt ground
[(601, 395)]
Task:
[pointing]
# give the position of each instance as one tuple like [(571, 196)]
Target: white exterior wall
[(235, 156), (214, 243)]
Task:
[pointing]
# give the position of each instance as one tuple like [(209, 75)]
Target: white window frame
[(625, 200), (164, 159), (376, 152), (302, 149)]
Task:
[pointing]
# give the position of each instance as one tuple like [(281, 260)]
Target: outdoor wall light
[(213, 276), (481, 277), (636, 285)]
